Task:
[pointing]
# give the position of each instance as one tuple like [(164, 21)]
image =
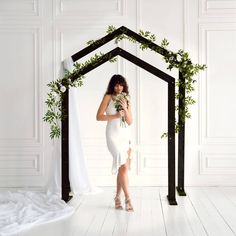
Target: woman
[(117, 136)]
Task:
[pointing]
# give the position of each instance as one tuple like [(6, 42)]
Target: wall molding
[(75, 9), (216, 8), (36, 140), (211, 163), (21, 164), (204, 137), (19, 8)]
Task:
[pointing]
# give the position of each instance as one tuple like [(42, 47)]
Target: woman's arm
[(102, 108)]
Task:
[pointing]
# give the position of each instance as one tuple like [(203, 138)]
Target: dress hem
[(115, 170)]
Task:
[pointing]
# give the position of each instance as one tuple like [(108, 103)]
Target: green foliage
[(179, 60), (55, 113)]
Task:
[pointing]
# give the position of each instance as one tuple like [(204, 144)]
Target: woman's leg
[(118, 186), (123, 179), (118, 192)]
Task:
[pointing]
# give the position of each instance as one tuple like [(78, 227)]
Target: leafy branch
[(55, 112)]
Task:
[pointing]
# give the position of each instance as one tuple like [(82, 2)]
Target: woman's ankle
[(117, 195)]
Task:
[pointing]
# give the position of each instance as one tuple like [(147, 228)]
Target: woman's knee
[(123, 168)]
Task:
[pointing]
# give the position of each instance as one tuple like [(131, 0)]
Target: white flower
[(184, 64), (63, 89), (54, 94), (126, 96), (178, 57)]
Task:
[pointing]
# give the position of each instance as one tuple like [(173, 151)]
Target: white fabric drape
[(78, 171), (21, 210), (54, 179), (80, 182)]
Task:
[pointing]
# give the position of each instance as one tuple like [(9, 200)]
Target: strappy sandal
[(128, 205), (118, 205)]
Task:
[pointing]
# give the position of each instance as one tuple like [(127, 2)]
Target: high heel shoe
[(118, 203), (128, 205)]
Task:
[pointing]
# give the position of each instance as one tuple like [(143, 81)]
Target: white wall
[(35, 36), (210, 37)]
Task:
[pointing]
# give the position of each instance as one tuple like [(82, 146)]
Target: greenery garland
[(179, 60)]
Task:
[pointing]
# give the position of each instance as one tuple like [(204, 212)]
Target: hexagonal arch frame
[(171, 109)]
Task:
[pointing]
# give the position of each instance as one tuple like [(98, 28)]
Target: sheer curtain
[(80, 181), (78, 171)]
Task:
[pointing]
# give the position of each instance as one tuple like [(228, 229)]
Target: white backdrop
[(36, 37)]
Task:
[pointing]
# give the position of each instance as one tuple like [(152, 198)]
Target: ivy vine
[(179, 60)]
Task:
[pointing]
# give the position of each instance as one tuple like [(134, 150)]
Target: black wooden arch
[(171, 109)]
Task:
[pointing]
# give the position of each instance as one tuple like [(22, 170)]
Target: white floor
[(204, 211)]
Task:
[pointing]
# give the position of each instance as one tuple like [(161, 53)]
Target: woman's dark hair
[(117, 79)]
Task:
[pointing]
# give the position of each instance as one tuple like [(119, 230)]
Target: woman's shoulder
[(107, 97)]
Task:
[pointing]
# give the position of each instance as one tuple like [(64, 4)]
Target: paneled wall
[(210, 37), (36, 35), (22, 152)]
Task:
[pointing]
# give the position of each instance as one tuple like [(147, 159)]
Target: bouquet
[(119, 107)]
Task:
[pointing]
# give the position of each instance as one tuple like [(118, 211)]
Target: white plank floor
[(204, 211)]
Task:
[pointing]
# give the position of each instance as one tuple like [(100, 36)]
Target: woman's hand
[(126, 111), (122, 113), (123, 103)]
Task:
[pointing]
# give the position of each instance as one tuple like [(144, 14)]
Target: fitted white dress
[(118, 139)]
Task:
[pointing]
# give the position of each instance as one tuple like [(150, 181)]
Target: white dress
[(118, 139)]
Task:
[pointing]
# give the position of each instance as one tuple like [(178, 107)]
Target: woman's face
[(118, 88)]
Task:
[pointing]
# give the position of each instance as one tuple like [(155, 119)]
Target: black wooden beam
[(65, 149), (171, 144), (121, 30), (104, 58), (146, 66), (137, 61), (171, 119), (98, 43), (141, 39), (181, 138)]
